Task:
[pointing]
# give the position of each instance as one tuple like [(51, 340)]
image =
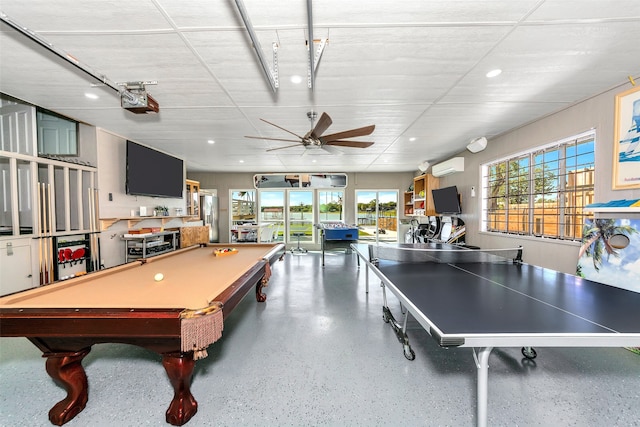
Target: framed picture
[(626, 140)]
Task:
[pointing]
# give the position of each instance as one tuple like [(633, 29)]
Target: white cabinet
[(15, 266)]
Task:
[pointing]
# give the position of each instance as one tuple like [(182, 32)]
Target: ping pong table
[(487, 299)]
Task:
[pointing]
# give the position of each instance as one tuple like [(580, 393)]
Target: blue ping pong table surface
[(506, 304)]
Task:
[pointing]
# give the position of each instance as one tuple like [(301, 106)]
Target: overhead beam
[(314, 54), (270, 75), (312, 74), (58, 52), (316, 60)]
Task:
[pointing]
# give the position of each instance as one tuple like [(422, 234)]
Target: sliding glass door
[(272, 214), (300, 216), (377, 215)]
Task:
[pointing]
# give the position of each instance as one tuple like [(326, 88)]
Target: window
[(541, 192), (57, 135), (330, 206)]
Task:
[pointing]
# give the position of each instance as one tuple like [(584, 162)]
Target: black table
[(487, 304)]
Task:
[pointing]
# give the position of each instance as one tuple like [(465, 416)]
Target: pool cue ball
[(158, 277)]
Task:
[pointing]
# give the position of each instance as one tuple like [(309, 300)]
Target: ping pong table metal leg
[(482, 363), (366, 270), (400, 331), (366, 275)]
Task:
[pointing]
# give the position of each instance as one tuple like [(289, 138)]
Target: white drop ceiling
[(414, 68)]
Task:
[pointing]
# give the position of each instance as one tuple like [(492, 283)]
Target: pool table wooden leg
[(179, 368), (260, 296), (66, 369), (263, 282)]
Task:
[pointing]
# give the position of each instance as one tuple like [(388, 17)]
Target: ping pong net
[(442, 254)]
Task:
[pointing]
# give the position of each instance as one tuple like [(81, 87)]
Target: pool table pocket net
[(200, 328)]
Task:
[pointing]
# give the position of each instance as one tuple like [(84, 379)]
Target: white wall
[(597, 113), (111, 179), (223, 182)]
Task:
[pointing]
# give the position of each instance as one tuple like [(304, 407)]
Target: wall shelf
[(422, 197), (131, 221), (408, 203), (613, 210), (615, 206)]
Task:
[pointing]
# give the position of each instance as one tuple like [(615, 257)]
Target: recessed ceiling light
[(296, 79), (91, 95), (413, 138), (211, 141), (241, 161), (313, 161), (494, 73)]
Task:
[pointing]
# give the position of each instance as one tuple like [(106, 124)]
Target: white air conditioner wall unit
[(448, 167)]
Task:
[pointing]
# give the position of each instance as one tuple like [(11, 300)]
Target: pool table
[(176, 315)]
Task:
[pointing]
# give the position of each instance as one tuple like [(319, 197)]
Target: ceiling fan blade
[(367, 130), (272, 139), (322, 125), (280, 127), (354, 144), (286, 146)]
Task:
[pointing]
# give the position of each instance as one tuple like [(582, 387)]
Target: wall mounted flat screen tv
[(152, 173), (446, 200)]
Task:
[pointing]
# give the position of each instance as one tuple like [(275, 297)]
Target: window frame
[(531, 203)]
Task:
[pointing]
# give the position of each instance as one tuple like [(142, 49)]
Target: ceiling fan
[(315, 137)]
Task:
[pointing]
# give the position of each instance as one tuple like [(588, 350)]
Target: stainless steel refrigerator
[(209, 212)]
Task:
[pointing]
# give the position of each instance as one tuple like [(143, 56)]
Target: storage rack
[(148, 245)]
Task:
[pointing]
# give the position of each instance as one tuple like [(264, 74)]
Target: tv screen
[(446, 200), (152, 173)]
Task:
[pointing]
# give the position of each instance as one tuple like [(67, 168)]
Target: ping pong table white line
[(534, 298)]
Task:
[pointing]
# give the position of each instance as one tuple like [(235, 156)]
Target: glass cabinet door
[(25, 198), (60, 185), (6, 218), (16, 201)]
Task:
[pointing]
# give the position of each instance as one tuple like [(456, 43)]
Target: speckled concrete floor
[(318, 354)]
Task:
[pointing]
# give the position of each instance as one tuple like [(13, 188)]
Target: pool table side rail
[(122, 325)]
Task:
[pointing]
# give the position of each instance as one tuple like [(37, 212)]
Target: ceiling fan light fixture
[(316, 138)]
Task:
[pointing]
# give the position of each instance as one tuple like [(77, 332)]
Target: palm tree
[(596, 237)]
